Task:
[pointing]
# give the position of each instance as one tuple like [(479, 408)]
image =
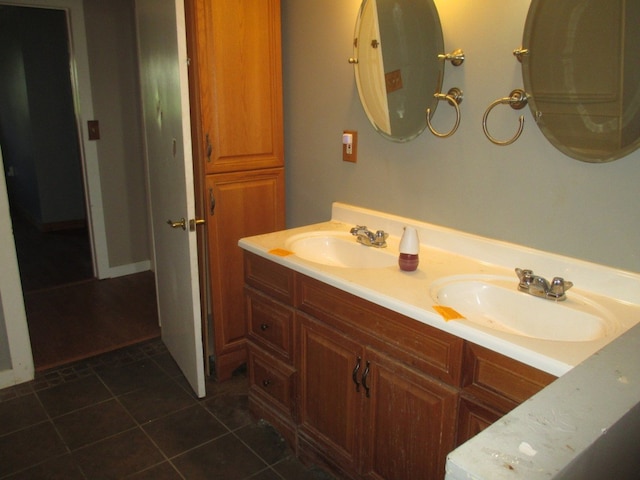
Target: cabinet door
[(473, 418), (240, 204), (329, 399), (240, 84), (410, 421)]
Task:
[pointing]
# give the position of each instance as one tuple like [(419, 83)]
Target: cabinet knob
[(266, 382), (264, 327)]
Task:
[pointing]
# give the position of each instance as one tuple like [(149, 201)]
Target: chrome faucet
[(368, 238), (541, 287)]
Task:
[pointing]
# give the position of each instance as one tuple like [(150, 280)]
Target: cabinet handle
[(266, 382), (264, 327), (354, 374), (209, 148), (365, 374)]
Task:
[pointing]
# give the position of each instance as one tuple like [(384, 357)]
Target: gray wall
[(528, 193)]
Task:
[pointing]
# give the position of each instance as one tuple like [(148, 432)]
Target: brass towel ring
[(454, 97), (517, 99)]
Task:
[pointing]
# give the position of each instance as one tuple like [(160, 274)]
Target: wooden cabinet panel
[(473, 418), (240, 204), (329, 400), (410, 419), (240, 78), (270, 324), (271, 379), (269, 277), (422, 346), (500, 381)]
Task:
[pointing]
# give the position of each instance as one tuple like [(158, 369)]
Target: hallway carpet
[(77, 321)]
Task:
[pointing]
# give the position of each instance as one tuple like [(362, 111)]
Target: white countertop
[(585, 425), (445, 252)]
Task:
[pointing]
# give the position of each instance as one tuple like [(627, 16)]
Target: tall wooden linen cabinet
[(235, 77)]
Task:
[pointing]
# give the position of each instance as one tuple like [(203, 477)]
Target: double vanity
[(380, 373)]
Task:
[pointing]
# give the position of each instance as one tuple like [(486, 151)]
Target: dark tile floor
[(131, 414)]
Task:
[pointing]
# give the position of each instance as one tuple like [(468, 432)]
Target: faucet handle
[(559, 285), (525, 276), (357, 229)]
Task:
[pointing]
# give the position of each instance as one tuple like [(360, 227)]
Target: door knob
[(181, 224), (193, 222)]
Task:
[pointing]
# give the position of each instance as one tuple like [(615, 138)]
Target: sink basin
[(339, 249), (494, 302)]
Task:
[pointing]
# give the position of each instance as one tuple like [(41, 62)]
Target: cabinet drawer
[(269, 277), (500, 381), (426, 348), (271, 380), (269, 324)]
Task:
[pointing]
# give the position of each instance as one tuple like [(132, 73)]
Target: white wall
[(528, 193)]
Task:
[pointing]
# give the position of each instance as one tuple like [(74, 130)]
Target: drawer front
[(270, 324), (271, 380), (421, 346), (499, 380), (269, 277)]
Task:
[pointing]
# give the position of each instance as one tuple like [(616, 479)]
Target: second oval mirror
[(581, 71), (397, 69)]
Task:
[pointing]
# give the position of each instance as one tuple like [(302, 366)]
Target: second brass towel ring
[(517, 100)]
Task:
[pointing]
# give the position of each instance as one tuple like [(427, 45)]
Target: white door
[(165, 96), (16, 361)]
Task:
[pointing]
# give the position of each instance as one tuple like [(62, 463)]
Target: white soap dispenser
[(409, 250)]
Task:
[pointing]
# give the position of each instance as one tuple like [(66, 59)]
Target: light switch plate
[(353, 156), (94, 129)]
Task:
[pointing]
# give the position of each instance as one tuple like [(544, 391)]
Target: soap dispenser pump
[(409, 250)]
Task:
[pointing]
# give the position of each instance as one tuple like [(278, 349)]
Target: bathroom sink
[(495, 303), (338, 249)]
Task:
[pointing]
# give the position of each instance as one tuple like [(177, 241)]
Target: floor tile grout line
[(155, 346)]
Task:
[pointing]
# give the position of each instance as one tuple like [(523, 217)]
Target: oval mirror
[(582, 74), (397, 69)]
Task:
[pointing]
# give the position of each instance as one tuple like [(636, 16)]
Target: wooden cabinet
[(362, 403), (410, 421), (240, 204), (271, 326), (330, 394), (236, 98), (492, 386), (366, 391), (239, 68)]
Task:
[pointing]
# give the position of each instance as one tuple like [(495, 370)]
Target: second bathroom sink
[(494, 302)]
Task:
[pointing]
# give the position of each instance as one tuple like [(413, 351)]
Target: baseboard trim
[(128, 269)]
